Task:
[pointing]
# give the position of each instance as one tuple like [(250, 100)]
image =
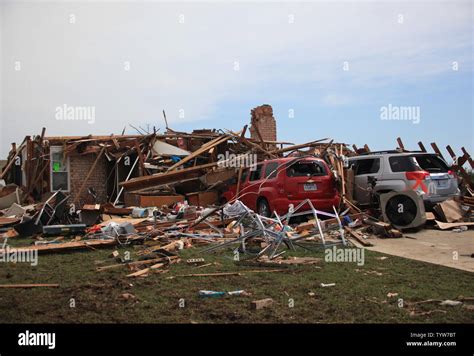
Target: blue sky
[(215, 61)]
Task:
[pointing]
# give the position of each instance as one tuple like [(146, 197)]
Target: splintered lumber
[(469, 159), (224, 274), (220, 274), (445, 226), (262, 303), (172, 246), (61, 247), (380, 227), (206, 147), (12, 160), (164, 178), (449, 210), (297, 147), (252, 145), (146, 270), (357, 236), (400, 143), (36, 285), (138, 263), (436, 149)]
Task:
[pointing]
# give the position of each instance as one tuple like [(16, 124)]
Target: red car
[(274, 184)]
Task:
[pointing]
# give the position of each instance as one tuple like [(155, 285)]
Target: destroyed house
[(89, 169), (94, 169)]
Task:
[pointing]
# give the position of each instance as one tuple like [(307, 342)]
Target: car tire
[(263, 208)]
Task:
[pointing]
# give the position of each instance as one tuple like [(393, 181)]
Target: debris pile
[(164, 192)]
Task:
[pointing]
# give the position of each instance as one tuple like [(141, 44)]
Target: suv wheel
[(263, 208)]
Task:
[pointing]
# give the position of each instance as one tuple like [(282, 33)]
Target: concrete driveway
[(444, 248)]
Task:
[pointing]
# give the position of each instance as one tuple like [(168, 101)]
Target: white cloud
[(190, 66)]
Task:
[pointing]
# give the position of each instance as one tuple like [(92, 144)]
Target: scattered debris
[(324, 285), (262, 303), (128, 296), (34, 285), (209, 293), (451, 303)]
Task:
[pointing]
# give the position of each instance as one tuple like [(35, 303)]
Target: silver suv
[(426, 173)]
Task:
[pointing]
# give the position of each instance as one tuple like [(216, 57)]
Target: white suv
[(426, 173)]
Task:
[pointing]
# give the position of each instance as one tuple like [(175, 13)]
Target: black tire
[(263, 208)]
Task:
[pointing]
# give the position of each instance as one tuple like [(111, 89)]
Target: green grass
[(359, 296)]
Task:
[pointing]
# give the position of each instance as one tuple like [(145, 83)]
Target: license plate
[(310, 187), (443, 183)]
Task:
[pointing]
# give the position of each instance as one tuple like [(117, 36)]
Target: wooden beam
[(422, 146), (164, 178), (253, 145), (451, 152), (7, 168), (469, 159), (36, 285), (400, 143), (436, 149), (296, 147), (140, 159), (206, 147)]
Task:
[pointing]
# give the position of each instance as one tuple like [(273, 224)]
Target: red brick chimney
[(262, 118)]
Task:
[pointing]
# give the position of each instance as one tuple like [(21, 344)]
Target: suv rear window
[(271, 170), (431, 163), (308, 168), (367, 166), (403, 164)]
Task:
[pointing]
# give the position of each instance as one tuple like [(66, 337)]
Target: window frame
[(325, 172), (250, 178), (374, 159), (59, 149), (274, 174)]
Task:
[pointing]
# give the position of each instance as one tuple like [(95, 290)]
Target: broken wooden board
[(35, 285), (138, 263), (262, 303), (226, 274), (446, 226), (164, 178), (61, 247), (145, 271), (449, 211), (357, 236)]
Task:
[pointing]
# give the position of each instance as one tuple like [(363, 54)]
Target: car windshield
[(306, 168), (431, 163)]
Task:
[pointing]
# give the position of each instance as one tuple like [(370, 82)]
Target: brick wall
[(79, 167), (262, 117)]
